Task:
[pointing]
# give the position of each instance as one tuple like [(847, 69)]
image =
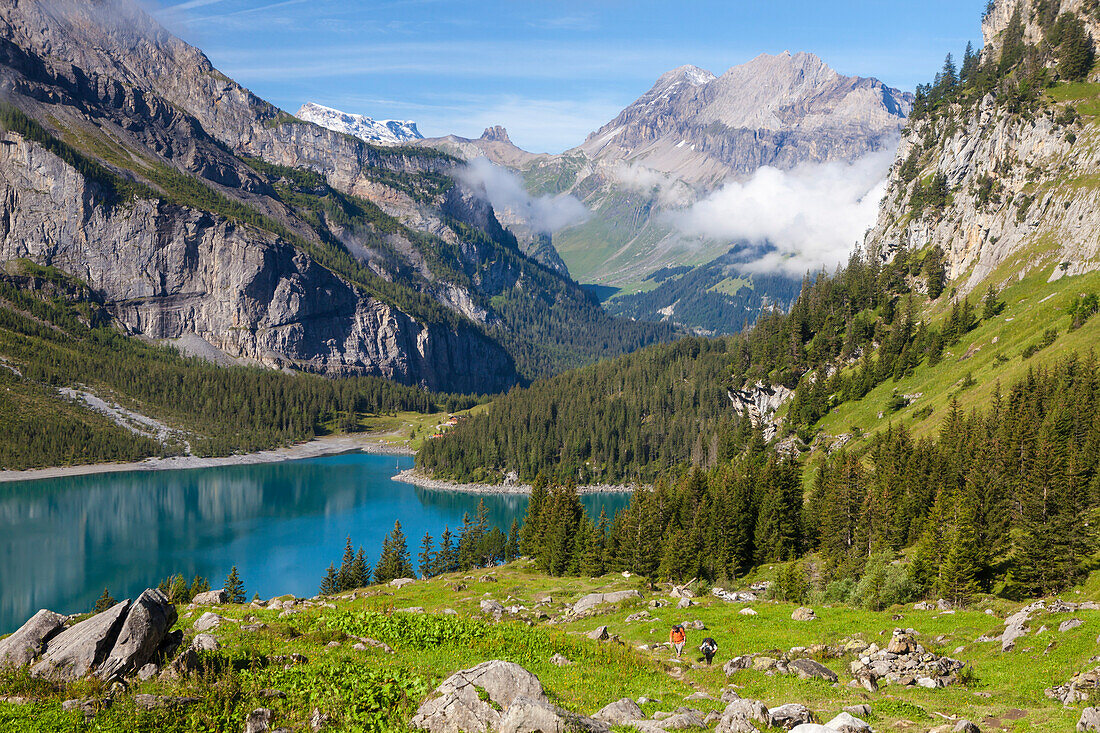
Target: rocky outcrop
[(147, 623), (111, 644), (1019, 183), (759, 403), (30, 639), (75, 652), (474, 699)]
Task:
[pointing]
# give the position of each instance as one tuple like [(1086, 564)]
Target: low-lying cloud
[(504, 190), (803, 219)]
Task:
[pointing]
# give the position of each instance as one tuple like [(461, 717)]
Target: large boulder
[(78, 650), (476, 699), (809, 669), (737, 664), (147, 624), (848, 723), (211, 598), (207, 621), (592, 600), (790, 715), (748, 709), (804, 614), (30, 639), (619, 712), (540, 716), (1090, 720)]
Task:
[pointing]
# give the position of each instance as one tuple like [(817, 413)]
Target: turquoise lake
[(62, 541)]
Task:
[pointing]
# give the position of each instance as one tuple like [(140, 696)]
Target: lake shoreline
[(419, 478), (325, 446)]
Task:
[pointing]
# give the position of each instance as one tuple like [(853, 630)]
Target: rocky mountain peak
[(999, 15), (496, 133)]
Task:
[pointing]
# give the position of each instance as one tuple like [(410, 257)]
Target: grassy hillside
[(369, 689), (990, 355)]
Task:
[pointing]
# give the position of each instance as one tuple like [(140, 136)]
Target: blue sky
[(549, 71)]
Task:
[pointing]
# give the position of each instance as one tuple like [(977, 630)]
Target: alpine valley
[(861, 479)]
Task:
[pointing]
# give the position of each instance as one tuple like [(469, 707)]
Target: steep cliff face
[(167, 271), (273, 239), (1021, 189)]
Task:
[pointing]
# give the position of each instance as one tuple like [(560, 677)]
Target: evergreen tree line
[(476, 545), (1004, 500), (660, 409)]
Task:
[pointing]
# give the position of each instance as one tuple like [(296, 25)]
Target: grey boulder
[(146, 626), (790, 715), (211, 598), (747, 709), (619, 712), (809, 669), (540, 716), (592, 600), (30, 639), (1090, 720), (848, 723), (207, 621), (78, 650), (458, 704)]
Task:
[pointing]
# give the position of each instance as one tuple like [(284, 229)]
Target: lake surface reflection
[(62, 541)]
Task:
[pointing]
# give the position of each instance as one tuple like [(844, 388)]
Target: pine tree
[(511, 549), (445, 562), (427, 556), (234, 587), (360, 570), (1075, 49), (394, 561), (530, 536), (344, 576), (991, 306), (935, 274), (328, 584), (105, 601)]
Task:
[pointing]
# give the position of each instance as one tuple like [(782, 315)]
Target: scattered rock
[(492, 607), (211, 598), (789, 715), (620, 712), (22, 647), (1070, 623), (599, 634), (152, 702), (804, 614), (1016, 625), (683, 721), (458, 705), (749, 709), (318, 721), (148, 672), (965, 726), (685, 603), (1090, 720), (75, 652), (1080, 688), (207, 621), (858, 711), (695, 625), (259, 721), (733, 596), (540, 716), (559, 661), (487, 578), (590, 601), (205, 643), (848, 723), (747, 612), (89, 706), (737, 664), (401, 582), (810, 669), (640, 616)]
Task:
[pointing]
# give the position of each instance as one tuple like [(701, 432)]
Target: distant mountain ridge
[(691, 133), (368, 129)]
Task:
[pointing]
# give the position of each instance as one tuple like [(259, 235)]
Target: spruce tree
[(427, 556), (328, 583), (234, 586), (360, 571), (345, 579), (105, 601), (511, 549), (395, 561), (445, 562)]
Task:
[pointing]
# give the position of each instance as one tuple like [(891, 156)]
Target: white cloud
[(804, 219), (504, 190)]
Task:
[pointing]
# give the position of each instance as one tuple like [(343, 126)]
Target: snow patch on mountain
[(382, 132)]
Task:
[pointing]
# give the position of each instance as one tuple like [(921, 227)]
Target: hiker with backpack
[(677, 637), (709, 648)]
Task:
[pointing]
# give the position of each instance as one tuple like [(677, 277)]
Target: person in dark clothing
[(709, 648)]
